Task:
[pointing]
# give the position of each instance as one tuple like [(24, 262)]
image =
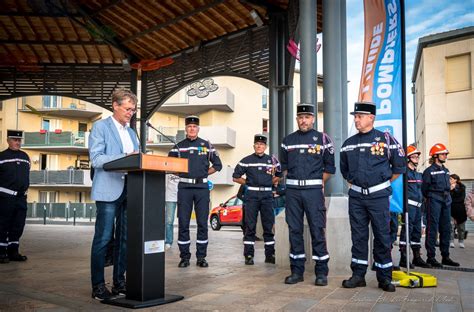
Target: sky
[(422, 18)]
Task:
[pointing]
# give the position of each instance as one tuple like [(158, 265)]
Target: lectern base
[(133, 304)]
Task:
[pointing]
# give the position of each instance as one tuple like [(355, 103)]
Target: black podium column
[(145, 242)]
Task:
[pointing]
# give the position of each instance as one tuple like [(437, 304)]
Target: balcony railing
[(63, 109), (219, 136), (61, 141), (62, 211), (60, 177), (222, 99)]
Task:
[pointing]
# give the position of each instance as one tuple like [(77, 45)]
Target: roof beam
[(98, 27), (37, 14), (56, 42), (106, 7), (172, 21)]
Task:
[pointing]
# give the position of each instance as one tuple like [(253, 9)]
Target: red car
[(228, 213)]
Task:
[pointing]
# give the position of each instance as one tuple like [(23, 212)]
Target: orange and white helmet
[(412, 150), (438, 149)]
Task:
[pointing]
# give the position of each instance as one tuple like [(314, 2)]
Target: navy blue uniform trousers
[(255, 203), (311, 203), (186, 198), (376, 211), (414, 229), (438, 215), (12, 221)]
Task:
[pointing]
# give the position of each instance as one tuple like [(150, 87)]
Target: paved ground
[(56, 278)]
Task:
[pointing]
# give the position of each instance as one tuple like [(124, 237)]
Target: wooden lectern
[(146, 227)]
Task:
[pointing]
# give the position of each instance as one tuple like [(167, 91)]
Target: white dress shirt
[(127, 143), (171, 194)]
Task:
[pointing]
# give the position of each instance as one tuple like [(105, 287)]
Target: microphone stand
[(167, 137)]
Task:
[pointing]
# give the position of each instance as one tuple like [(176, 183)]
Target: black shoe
[(419, 262), (15, 256), (434, 263), (270, 259), (354, 281), (201, 262), (321, 280), (100, 292), (119, 289), (396, 268), (403, 263), (4, 258), (183, 263), (249, 260), (294, 278), (387, 286), (448, 261)]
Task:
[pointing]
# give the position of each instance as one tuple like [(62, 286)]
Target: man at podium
[(110, 139), (193, 189)]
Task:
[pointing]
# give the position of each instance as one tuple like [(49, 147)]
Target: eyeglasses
[(131, 110)]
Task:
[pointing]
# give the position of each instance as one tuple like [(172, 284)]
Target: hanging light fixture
[(202, 88)]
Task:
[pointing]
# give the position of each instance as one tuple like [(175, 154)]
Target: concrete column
[(335, 85), (273, 84), (335, 114), (308, 63), (289, 113)]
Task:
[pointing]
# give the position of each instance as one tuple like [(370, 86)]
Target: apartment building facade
[(444, 100)]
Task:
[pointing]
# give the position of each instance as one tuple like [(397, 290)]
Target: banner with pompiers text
[(381, 78)]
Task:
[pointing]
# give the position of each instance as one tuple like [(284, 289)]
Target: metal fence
[(49, 138), (70, 176), (69, 212)]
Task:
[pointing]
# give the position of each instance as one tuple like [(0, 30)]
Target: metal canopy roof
[(77, 48)]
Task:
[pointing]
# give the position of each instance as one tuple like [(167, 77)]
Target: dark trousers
[(438, 215), (255, 203), (186, 198), (311, 203), (414, 229), (376, 212), (12, 222), (110, 214), (393, 226)]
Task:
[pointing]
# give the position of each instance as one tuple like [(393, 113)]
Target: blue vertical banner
[(382, 75)]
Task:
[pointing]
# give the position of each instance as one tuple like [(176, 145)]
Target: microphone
[(167, 137)]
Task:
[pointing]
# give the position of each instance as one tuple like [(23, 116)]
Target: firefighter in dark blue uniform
[(415, 202), (193, 189), (260, 174), (14, 182), (307, 156), (370, 160), (435, 188)]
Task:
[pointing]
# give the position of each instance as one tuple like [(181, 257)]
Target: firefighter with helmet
[(435, 188), (415, 200)]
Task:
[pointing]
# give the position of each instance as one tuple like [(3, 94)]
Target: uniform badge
[(315, 138), (377, 148), (318, 149), (377, 139), (269, 161), (202, 143), (401, 152), (301, 151), (259, 168)]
